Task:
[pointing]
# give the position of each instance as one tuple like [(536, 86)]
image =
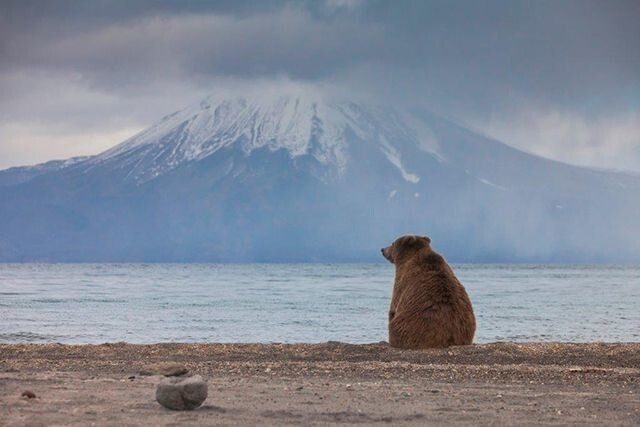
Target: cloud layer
[(557, 79)]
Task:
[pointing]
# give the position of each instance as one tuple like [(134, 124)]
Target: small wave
[(17, 337), (78, 300)]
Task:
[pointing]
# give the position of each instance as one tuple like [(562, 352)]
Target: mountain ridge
[(293, 178)]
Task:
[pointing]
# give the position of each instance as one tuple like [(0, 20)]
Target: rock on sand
[(181, 393)]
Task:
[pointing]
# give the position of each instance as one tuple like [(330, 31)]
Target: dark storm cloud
[(162, 43), (562, 51), (471, 60), (556, 50)]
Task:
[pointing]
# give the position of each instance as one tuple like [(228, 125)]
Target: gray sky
[(556, 78)]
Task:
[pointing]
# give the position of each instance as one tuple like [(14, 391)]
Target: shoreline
[(328, 383)]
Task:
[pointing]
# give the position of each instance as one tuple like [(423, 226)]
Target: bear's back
[(427, 279), (432, 307)]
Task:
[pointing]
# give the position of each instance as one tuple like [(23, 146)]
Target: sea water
[(147, 303)]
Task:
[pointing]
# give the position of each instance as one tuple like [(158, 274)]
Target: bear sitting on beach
[(429, 307)]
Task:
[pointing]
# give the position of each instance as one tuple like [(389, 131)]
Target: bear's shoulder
[(432, 258)]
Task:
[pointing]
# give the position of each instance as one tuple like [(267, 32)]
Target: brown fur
[(429, 307)]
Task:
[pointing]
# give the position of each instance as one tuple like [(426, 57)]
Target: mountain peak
[(299, 123)]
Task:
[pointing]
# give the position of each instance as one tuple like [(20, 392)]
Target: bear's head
[(404, 247)]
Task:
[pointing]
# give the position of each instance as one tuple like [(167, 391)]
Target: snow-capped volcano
[(301, 125), (299, 177)]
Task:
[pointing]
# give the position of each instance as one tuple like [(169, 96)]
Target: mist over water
[(145, 303)]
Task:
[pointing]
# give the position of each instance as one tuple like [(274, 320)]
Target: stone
[(28, 394), (168, 369), (181, 393)]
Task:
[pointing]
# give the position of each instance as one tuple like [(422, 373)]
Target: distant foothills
[(303, 179)]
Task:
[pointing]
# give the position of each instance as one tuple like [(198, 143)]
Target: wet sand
[(331, 383)]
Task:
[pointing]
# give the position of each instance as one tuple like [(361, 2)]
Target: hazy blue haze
[(298, 178), (144, 303)]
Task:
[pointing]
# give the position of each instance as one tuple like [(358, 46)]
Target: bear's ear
[(428, 240)]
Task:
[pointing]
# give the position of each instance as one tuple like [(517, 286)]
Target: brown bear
[(429, 307)]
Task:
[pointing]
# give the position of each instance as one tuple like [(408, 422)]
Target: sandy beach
[(330, 383)]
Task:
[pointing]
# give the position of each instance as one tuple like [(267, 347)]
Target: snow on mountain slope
[(300, 125)]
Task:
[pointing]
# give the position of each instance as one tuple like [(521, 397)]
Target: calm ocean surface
[(145, 303)]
